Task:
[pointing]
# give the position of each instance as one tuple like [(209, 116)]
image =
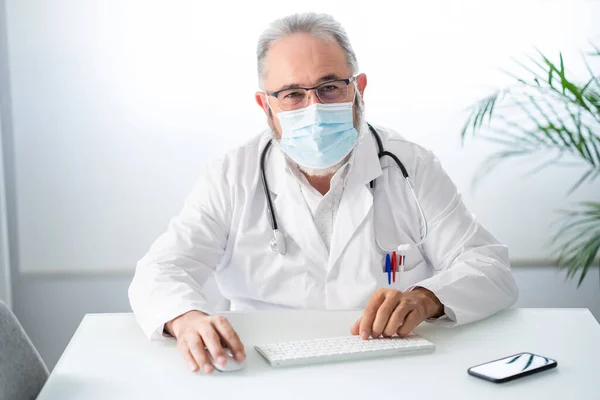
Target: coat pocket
[(415, 269)]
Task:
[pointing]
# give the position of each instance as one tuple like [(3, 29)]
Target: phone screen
[(513, 365)]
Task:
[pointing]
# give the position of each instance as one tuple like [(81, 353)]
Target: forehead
[(302, 59)]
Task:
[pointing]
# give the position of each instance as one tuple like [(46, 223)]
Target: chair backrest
[(22, 371)]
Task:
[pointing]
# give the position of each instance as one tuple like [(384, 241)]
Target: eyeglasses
[(335, 91)]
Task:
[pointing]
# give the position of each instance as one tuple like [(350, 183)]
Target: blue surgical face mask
[(318, 136)]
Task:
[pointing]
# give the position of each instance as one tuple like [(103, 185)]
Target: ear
[(262, 101), (361, 84)]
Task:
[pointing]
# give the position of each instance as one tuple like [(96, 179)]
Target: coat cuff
[(448, 319), (154, 326)]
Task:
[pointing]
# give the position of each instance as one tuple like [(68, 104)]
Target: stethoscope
[(395, 258)]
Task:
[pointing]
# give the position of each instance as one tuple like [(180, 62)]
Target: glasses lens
[(333, 92), (291, 99)]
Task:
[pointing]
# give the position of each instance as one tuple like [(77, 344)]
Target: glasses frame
[(347, 81)]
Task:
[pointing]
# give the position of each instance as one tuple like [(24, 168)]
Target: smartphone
[(512, 367)]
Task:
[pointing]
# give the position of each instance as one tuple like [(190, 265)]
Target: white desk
[(109, 358)]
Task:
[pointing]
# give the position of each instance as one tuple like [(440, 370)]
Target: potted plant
[(548, 113)]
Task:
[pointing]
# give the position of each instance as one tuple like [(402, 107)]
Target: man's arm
[(166, 294), (472, 276), (169, 279)]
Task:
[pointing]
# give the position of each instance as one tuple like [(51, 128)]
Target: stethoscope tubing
[(277, 242)]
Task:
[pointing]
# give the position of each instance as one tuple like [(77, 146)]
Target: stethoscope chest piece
[(278, 242)]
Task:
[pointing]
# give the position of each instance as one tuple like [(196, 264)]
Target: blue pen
[(388, 268)]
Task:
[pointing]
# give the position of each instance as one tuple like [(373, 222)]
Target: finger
[(230, 337), (369, 314), (196, 348), (412, 320), (187, 356), (356, 327), (396, 319), (212, 341), (383, 315)]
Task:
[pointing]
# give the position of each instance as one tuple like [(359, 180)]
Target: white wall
[(5, 150), (117, 104), (5, 275)]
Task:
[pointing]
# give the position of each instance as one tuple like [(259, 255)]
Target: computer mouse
[(230, 366)]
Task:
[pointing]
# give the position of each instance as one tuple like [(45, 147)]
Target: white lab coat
[(223, 229)]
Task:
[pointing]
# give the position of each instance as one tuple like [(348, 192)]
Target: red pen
[(394, 267)]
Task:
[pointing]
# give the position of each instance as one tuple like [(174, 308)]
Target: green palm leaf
[(549, 114), (579, 239)]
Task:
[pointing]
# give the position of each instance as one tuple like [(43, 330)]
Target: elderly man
[(305, 215)]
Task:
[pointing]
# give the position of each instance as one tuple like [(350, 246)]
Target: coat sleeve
[(472, 276), (169, 279)]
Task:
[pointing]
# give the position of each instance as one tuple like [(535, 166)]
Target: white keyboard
[(340, 349)]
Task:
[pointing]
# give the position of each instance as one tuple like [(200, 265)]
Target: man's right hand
[(196, 332)]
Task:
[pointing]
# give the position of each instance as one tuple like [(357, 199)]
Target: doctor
[(332, 223)]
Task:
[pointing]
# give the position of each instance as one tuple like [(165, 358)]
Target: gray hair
[(318, 25)]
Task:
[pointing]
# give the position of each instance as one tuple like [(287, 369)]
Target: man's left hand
[(391, 311)]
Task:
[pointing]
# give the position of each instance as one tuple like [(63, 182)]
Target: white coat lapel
[(292, 213), (357, 199)]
